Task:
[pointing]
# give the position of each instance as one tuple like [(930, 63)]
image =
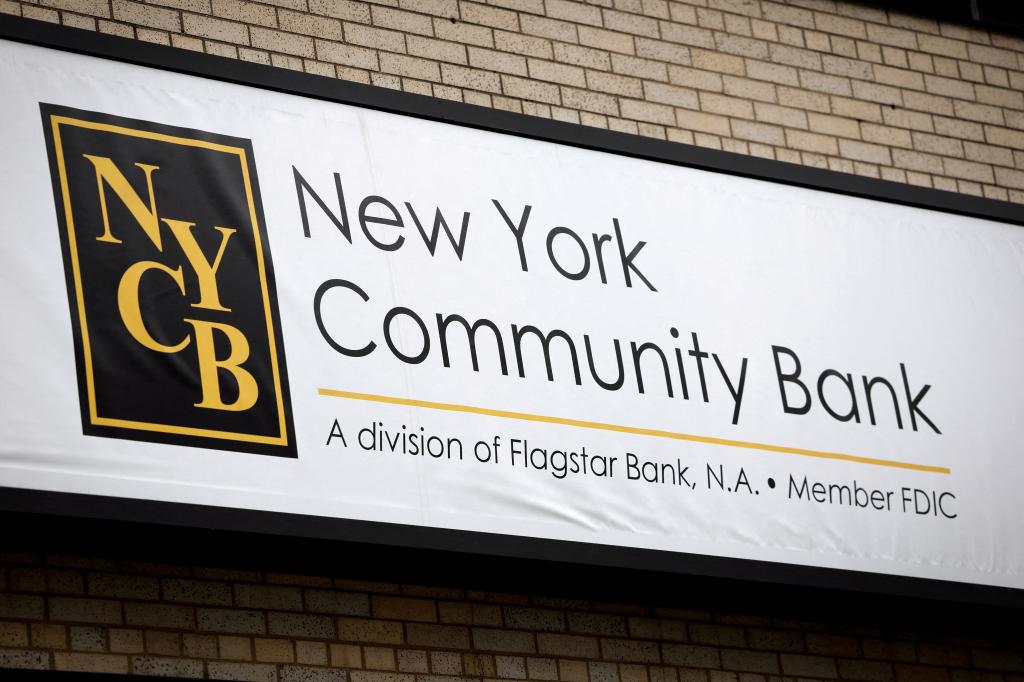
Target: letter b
[(248, 391), (791, 378)]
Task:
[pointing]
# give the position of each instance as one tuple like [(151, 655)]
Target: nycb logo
[(170, 284)]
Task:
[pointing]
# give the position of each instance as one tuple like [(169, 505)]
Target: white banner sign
[(220, 295)]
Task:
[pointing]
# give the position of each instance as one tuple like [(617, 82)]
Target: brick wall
[(829, 84), (100, 615)]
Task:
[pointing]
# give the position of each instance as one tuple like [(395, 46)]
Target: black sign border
[(156, 513)]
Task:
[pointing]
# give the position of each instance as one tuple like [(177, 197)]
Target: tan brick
[(1000, 97), (993, 55), (750, 661), (91, 663), (289, 43), (1010, 178), (563, 74), (615, 84), (531, 46), (749, 89), (935, 144), (463, 613), (808, 666), (691, 656), (695, 78), (311, 653), (531, 90), (460, 32), (348, 55), (52, 17), (948, 87), (875, 92), (82, 22), (669, 94), (13, 634), (548, 28), (440, 636), (162, 643), (25, 607), (630, 23), (438, 8), (717, 62), (968, 170), (925, 163), (215, 29), (235, 648), (984, 153), (348, 10), (636, 650), (244, 11), (504, 641), (193, 646), (880, 134), (648, 111), (310, 24), (727, 106), (779, 115), (495, 17), (400, 20), (577, 646), (197, 592), (48, 636), (474, 79), (900, 78), (379, 658), (903, 118), (346, 656), (367, 630), (982, 113), (274, 650), (822, 82), (575, 12), (889, 35), (585, 100), (446, 662), (689, 35), (851, 68), (573, 671), (253, 672), (774, 73), (146, 15), (812, 142), (85, 610), (742, 46), (98, 8), (166, 667), (607, 40), (720, 635), (833, 125), (844, 26), (413, 67), (581, 56), (931, 104)]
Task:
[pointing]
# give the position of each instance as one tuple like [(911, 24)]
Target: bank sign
[(226, 296)]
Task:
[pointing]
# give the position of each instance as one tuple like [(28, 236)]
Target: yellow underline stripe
[(635, 430)]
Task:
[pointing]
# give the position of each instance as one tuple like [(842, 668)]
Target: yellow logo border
[(56, 121)]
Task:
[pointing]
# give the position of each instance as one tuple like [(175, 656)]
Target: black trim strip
[(155, 513), (431, 539)]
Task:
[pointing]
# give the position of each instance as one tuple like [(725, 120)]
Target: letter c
[(318, 299), (131, 313)]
